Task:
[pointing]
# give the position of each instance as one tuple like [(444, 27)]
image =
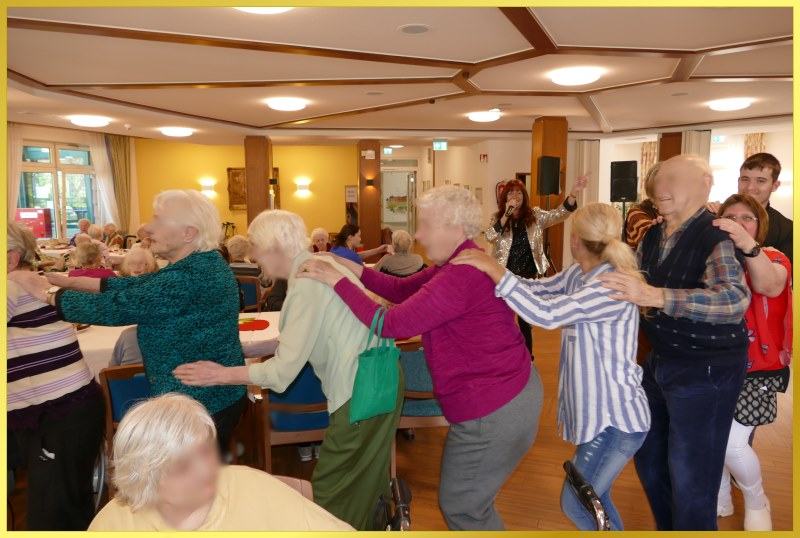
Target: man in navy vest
[(697, 297)]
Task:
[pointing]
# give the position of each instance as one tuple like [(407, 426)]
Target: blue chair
[(297, 415), (251, 290), (122, 387), (420, 407)]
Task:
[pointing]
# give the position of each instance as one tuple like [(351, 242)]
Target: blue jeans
[(600, 461), (680, 463)]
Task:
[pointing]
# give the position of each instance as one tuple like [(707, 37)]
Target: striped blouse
[(600, 384), (45, 368)]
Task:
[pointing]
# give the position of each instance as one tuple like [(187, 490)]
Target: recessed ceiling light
[(264, 10), (504, 105), (396, 146), (286, 104), (724, 105), (176, 131), (415, 29), (89, 121), (575, 76), (374, 93), (679, 94), (485, 116)]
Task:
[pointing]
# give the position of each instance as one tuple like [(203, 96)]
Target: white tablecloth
[(97, 343)]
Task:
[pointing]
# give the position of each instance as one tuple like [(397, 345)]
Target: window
[(67, 187)]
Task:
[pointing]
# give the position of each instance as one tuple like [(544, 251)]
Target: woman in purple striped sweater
[(488, 389), (55, 408)]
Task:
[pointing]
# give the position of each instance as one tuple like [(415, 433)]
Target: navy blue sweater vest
[(683, 268)]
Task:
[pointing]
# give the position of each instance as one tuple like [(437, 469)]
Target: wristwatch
[(50, 294), (753, 253)]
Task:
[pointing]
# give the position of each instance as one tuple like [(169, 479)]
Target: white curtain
[(14, 167), (586, 159), (103, 179), (696, 142), (135, 215)]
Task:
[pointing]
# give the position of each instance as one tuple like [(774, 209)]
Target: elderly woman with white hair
[(402, 262), (319, 240), (83, 227), (187, 311), (168, 477), (482, 373), (112, 236), (55, 408), (95, 233), (317, 328)]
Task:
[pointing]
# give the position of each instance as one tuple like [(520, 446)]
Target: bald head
[(682, 186)]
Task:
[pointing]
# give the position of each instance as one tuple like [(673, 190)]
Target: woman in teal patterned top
[(186, 312)]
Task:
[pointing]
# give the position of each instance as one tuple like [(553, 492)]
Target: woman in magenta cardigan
[(487, 387)]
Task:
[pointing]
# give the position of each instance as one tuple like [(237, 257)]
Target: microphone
[(509, 211)]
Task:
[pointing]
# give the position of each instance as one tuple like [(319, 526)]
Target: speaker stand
[(547, 243), (624, 218)]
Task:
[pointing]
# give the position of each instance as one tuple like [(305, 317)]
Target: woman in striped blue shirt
[(602, 407)]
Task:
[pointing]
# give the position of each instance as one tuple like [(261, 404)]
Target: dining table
[(97, 342)]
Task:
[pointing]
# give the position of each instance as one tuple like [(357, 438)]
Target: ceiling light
[(176, 131), (89, 121), (374, 93), (724, 105), (286, 104), (264, 10), (485, 116), (396, 146), (575, 76), (415, 29)]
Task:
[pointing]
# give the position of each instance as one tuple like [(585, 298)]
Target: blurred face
[(354, 240), (137, 264), (516, 197), (83, 226), (321, 242), (758, 184), (167, 236), (680, 188), (438, 240), (109, 230), (192, 480), (744, 216), (273, 261)]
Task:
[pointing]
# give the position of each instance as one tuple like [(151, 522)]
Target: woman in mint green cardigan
[(186, 312)]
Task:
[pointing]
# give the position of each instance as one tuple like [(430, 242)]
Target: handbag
[(377, 377), (758, 402)]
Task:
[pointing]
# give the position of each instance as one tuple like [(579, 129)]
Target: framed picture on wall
[(237, 189), (479, 194), (275, 190), (467, 187), (351, 204), (426, 185)]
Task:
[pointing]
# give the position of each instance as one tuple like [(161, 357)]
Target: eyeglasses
[(743, 218)]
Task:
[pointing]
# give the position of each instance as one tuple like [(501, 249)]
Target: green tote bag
[(377, 377)]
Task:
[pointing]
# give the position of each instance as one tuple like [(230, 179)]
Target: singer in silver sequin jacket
[(501, 242)]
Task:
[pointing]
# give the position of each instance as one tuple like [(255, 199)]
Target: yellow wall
[(163, 164), (329, 168)]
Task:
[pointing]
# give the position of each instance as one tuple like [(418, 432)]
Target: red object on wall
[(38, 220)]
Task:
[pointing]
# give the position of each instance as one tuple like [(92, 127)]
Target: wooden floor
[(530, 498)]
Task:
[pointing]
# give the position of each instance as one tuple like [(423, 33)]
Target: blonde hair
[(87, 253), (276, 228), (81, 221), (152, 436), (194, 210), (599, 227), (650, 181), (455, 207), (22, 240), (319, 232), (95, 231), (402, 240), (152, 265), (82, 238)]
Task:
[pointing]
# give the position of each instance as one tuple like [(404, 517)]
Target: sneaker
[(306, 453), (758, 520), (317, 447), (724, 510)]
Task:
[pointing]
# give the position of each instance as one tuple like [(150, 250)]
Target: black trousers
[(225, 422), (60, 456)]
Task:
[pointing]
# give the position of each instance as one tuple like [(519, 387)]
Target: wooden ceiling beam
[(591, 107), (747, 46), (739, 78), (686, 67), (249, 84), (462, 81), (529, 26)]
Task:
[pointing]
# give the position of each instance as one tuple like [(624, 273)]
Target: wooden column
[(258, 170), (549, 138), (669, 145), (369, 197)]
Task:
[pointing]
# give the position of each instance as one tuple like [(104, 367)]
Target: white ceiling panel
[(768, 61)]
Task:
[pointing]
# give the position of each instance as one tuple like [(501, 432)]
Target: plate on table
[(252, 324)]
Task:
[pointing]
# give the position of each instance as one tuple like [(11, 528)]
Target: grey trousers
[(481, 454)]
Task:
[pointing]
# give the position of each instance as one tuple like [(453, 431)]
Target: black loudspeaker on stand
[(549, 172), (623, 186)]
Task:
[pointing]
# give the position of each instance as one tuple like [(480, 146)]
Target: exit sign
[(440, 145), (387, 151)]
